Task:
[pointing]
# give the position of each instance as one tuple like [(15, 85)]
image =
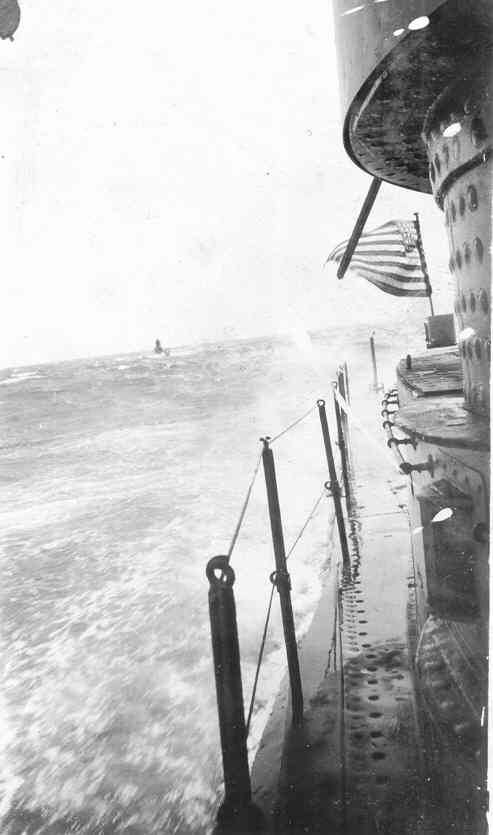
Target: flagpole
[(359, 226), (423, 261)]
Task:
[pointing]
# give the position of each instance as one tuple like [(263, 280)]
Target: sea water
[(121, 477)]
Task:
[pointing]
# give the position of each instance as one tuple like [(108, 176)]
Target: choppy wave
[(124, 476), (21, 377)]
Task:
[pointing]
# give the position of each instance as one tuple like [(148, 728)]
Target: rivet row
[(470, 201), (452, 151), (477, 395), (474, 302), (476, 348), (464, 257)]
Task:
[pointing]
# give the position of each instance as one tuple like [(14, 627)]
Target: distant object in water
[(158, 349)]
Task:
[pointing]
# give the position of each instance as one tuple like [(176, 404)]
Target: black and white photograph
[(245, 417)]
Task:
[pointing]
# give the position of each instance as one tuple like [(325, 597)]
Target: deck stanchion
[(334, 484), (341, 385), (376, 384), (237, 808), (343, 453), (346, 378), (282, 582)]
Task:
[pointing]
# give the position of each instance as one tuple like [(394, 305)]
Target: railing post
[(237, 807), (376, 384), (341, 386), (346, 378), (334, 484), (283, 583), (343, 452)]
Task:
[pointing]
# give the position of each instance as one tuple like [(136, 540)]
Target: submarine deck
[(369, 756), (355, 765)]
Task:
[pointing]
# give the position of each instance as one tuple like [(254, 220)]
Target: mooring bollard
[(334, 484), (282, 582), (237, 809)]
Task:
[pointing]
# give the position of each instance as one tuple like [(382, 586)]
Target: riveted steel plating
[(461, 175)]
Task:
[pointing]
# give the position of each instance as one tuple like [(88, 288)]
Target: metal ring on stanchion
[(330, 489), (279, 578), (320, 402), (221, 564)]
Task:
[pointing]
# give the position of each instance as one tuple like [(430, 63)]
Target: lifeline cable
[(269, 609), (250, 488), (308, 520), (292, 425), (244, 509), (357, 423)]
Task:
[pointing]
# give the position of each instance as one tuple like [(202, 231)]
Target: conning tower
[(415, 81)]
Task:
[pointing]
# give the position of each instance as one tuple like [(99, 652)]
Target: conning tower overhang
[(391, 75)]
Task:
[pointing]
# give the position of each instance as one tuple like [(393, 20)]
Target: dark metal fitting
[(320, 403), (409, 362), (408, 468), (387, 424), (388, 412), (220, 563), (399, 441), (266, 441), (280, 578), (481, 532), (333, 488)]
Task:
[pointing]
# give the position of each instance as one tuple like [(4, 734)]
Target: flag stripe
[(389, 258), (373, 248), (376, 242), (395, 291), (389, 278), (395, 269), (413, 289), (382, 254)]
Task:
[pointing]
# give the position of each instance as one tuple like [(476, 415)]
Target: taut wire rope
[(244, 509), (269, 608)]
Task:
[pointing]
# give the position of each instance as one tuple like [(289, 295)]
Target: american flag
[(390, 258)]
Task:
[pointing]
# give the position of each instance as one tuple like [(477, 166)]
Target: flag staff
[(422, 258), (359, 226)]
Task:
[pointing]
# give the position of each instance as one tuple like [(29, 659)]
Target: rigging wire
[(269, 609), (255, 472), (292, 425), (243, 509)]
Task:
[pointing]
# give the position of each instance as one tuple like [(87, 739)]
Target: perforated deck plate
[(354, 767), (383, 779)]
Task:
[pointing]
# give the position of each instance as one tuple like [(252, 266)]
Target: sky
[(177, 171)]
